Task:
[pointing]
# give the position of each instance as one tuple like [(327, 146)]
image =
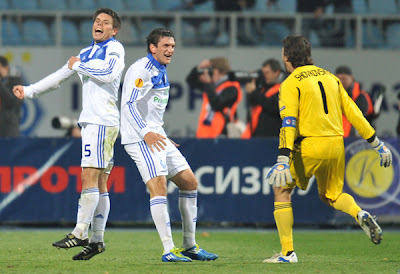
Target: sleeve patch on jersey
[(282, 108), (289, 122), (139, 83), (114, 53)]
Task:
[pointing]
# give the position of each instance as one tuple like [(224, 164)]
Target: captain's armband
[(289, 122)]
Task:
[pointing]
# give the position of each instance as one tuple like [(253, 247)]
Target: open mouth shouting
[(168, 56), (98, 34)]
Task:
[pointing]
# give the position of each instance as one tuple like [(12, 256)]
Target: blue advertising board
[(40, 182)]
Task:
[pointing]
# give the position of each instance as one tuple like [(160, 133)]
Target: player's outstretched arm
[(19, 91)]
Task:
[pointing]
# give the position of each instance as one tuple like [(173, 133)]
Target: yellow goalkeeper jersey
[(316, 99)]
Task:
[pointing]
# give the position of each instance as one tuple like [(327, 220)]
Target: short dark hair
[(3, 61), (156, 34), (113, 14), (343, 70), (298, 51), (273, 63)]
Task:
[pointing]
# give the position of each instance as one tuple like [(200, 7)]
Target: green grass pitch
[(240, 251)]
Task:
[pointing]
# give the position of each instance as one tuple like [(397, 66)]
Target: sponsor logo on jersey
[(371, 185), (160, 100), (139, 83)]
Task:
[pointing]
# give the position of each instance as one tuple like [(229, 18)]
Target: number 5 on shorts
[(87, 150)]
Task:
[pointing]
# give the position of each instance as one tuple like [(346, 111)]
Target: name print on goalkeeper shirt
[(310, 73)]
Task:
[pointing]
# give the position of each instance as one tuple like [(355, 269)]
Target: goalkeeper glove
[(280, 172), (384, 152)]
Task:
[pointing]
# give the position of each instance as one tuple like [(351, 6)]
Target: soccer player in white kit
[(100, 68), (144, 98)]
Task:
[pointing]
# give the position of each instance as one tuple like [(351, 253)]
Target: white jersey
[(100, 71), (145, 95)]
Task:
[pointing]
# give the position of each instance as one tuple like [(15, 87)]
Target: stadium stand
[(261, 6), (287, 6), (52, 5), (189, 33), (146, 25), (207, 6), (383, 7), (168, 5), (24, 4), (139, 5), (3, 5), (393, 36), (69, 33), (372, 35), (128, 34), (117, 5), (85, 31), (273, 33), (35, 32), (11, 34), (263, 25), (88, 5), (359, 6)]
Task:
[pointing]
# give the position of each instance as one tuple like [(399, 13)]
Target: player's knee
[(90, 177), (193, 184), (188, 185), (157, 186), (325, 199)]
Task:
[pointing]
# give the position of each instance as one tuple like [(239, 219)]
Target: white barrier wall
[(370, 67)]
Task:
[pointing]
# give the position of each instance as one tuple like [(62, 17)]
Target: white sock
[(100, 218), (87, 204), (188, 209), (159, 212)]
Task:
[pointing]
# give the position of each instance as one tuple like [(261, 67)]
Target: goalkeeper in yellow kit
[(311, 102)]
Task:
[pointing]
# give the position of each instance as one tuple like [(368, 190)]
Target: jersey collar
[(156, 63), (101, 44)]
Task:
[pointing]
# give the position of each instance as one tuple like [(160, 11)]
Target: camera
[(245, 76), (62, 122)]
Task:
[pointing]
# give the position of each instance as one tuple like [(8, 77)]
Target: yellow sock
[(284, 222), (345, 202)]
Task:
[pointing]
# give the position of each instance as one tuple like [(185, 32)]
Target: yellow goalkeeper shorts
[(322, 157)]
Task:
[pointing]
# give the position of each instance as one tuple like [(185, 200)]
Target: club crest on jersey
[(139, 83)]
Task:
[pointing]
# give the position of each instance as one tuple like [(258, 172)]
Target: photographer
[(71, 125), (359, 96), (10, 106), (263, 118), (220, 98)]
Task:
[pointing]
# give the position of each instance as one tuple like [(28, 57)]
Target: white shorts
[(168, 162), (98, 146)]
